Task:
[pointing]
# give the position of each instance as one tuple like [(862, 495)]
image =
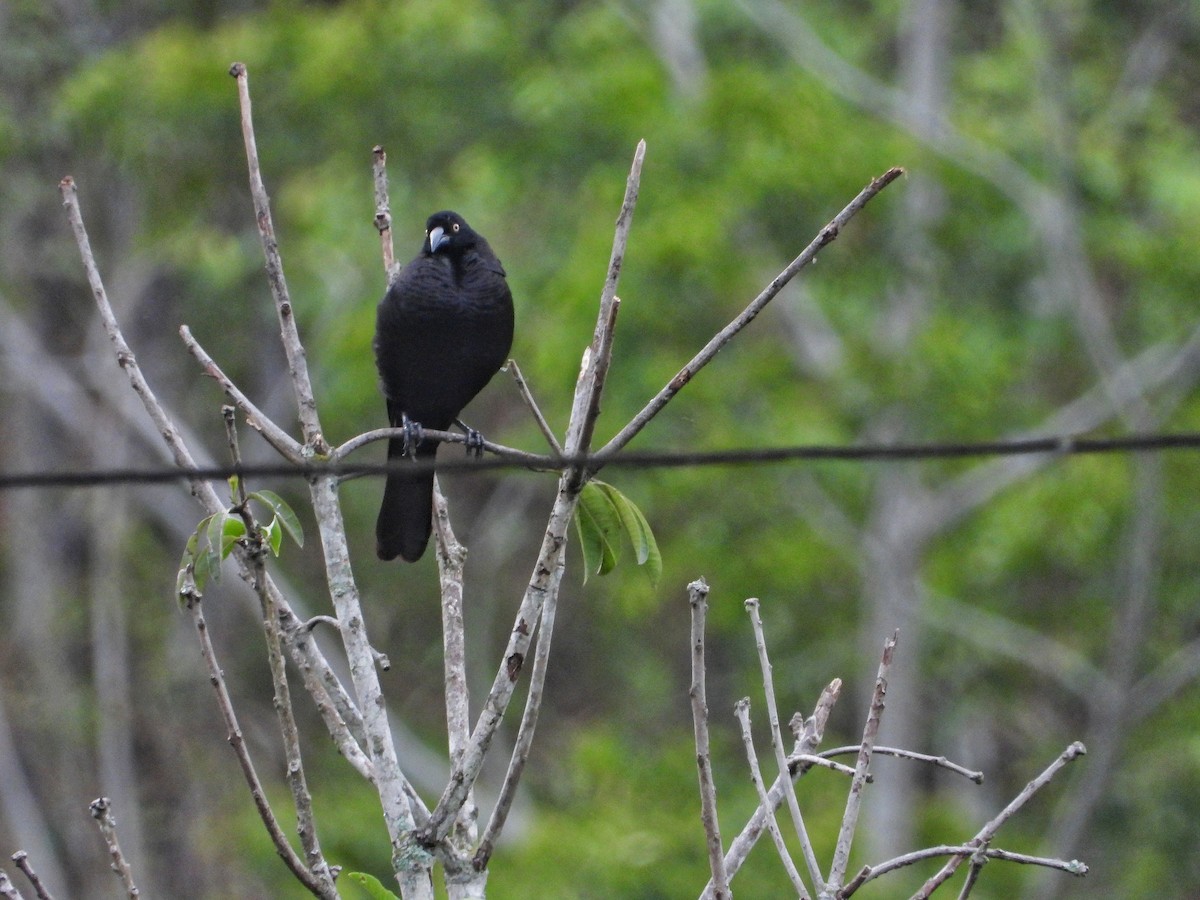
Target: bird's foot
[(474, 443), (413, 435)]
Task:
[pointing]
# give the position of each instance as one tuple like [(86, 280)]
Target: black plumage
[(442, 331)]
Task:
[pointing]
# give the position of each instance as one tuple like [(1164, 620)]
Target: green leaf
[(370, 885), (233, 488), (274, 535), (215, 532), (588, 544), (187, 562), (207, 566), (638, 529), (598, 525), (282, 511), (233, 530)]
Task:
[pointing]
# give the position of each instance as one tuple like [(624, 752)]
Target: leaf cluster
[(216, 536)]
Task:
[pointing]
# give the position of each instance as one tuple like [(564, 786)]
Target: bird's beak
[(437, 237)]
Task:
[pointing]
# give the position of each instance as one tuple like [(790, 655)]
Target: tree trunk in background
[(895, 537)]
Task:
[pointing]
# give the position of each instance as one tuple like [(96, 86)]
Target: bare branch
[(808, 760), (529, 719), (989, 830), (297, 366), (216, 677), (841, 853), (340, 715), (383, 213), (1071, 867), (21, 860), (284, 443), (533, 460), (789, 793), (125, 358), (583, 420), (542, 583), (742, 710), (101, 809), (827, 235), (870, 873), (978, 860), (971, 774), (7, 889), (515, 371), (698, 599), (451, 557)]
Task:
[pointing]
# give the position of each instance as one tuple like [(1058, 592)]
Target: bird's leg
[(413, 435), (474, 442)]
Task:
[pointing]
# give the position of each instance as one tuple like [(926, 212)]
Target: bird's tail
[(406, 516)]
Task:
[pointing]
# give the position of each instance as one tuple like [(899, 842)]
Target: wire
[(1057, 446)]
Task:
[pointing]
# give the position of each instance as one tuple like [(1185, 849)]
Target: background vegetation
[(1037, 271)]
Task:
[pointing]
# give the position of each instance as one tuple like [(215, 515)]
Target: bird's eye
[(454, 228)]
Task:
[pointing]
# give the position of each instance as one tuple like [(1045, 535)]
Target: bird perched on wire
[(442, 331)]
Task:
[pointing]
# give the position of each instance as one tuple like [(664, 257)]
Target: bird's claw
[(413, 435), (474, 443)]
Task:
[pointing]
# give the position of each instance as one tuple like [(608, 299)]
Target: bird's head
[(447, 232)]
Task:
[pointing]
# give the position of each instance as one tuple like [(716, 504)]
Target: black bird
[(442, 331)]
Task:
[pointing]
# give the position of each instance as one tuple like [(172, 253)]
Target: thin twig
[(297, 366), (529, 718), (287, 446), (1073, 752), (125, 358), (698, 600), (760, 643), (742, 710), (809, 760), (597, 364), (383, 212), (532, 460), (1070, 866), (978, 860), (101, 809), (234, 736), (941, 761), (21, 860), (710, 350), (841, 851), (306, 826), (523, 387)]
